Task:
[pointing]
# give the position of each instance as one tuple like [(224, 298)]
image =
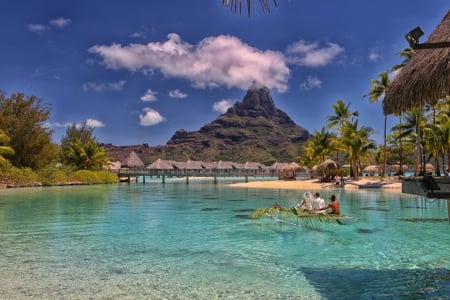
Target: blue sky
[(139, 70)]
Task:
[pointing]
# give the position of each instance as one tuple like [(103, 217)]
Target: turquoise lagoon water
[(197, 241)]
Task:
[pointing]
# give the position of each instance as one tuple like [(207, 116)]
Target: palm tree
[(377, 91), (85, 156), (357, 143), (4, 148), (413, 128), (233, 4), (342, 115), (319, 145), (407, 54)]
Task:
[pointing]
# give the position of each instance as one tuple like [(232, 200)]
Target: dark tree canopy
[(23, 119)]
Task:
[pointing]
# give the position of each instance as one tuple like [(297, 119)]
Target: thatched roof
[(371, 169), (277, 165), (254, 166), (328, 164), (426, 76), (161, 164), (194, 165), (133, 160)]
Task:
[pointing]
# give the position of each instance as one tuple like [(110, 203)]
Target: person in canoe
[(333, 205), (318, 204), (306, 203)]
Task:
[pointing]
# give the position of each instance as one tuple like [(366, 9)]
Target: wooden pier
[(134, 174)]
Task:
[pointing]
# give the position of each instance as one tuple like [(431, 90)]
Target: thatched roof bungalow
[(161, 164), (133, 161), (426, 76)]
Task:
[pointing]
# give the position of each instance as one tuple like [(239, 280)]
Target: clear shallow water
[(197, 241)]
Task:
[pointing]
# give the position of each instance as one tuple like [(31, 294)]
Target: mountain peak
[(257, 102), (256, 85)]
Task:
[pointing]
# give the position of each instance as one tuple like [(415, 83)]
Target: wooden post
[(215, 179), (246, 178), (187, 179), (448, 209), (163, 179)]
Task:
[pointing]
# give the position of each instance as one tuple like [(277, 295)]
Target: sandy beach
[(315, 184)]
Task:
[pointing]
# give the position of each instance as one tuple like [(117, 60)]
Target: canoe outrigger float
[(298, 218)]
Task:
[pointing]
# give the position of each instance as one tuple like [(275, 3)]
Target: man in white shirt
[(318, 203)]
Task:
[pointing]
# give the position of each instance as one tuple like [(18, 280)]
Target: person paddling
[(334, 205)]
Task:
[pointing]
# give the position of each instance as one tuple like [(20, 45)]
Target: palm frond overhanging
[(234, 4)]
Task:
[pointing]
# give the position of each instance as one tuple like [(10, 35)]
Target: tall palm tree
[(377, 92), (342, 115), (233, 4), (357, 143), (412, 128), (4, 148)]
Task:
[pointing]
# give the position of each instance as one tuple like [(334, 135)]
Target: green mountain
[(251, 130)]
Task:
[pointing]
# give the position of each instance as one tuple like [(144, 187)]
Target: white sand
[(313, 184)]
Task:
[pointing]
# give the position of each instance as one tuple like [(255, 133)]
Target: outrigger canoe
[(340, 219), (292, 217)]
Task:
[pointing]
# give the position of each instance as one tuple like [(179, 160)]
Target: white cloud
[(177, 94), (89, 122), (38, 28), (103, 86), (223, 105), (138, 35), (60, 22), (215, 61), (310, 83), (374, 55), (308, 54), (57, 125), (150, 117), (149, 96), (94, 123)]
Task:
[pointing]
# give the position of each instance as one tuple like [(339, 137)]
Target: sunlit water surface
[(198, 241)]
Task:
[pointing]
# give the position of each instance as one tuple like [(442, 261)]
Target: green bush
[(86, 176), (20, 176), (52, 175), (107, 177)]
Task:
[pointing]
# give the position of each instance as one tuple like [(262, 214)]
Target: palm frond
[(305, 218)]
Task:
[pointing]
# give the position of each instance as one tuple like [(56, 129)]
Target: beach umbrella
[(371, 169), (425, 77)]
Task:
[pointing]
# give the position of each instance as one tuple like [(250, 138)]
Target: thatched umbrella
[(371, 169), (328, 164), (425, 77), (397, 167), (289, 171)]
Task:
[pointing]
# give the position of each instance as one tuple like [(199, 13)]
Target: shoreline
[(315, 184)]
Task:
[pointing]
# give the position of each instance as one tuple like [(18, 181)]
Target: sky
[(139, 70)]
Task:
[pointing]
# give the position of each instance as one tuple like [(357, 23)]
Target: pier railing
[(134, 174)]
